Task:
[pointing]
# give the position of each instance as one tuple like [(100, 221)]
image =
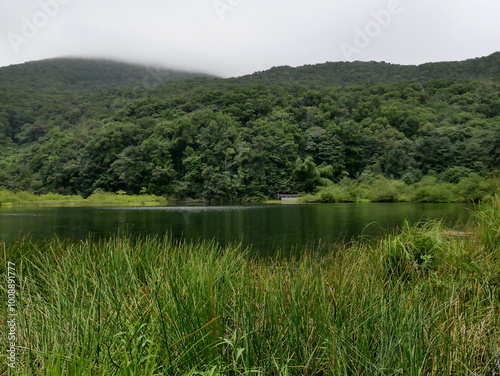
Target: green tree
[(306, 175)]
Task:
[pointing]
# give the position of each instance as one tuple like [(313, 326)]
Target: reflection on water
[(264, 227), (194, 208)]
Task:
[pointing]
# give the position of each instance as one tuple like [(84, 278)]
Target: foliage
[(74, 126), (97, 198), (343, 73), (377, 188)]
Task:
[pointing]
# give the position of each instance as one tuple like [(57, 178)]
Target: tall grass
[(420, 302)]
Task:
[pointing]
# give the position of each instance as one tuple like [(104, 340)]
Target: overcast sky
[(237, 37)]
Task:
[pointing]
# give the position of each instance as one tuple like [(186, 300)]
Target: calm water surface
[(264, 227)]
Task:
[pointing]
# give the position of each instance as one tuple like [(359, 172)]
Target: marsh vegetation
[(420, 301)]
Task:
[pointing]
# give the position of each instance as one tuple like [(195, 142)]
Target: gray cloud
[(236, 37)]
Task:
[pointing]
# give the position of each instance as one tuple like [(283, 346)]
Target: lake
[(264, 227)]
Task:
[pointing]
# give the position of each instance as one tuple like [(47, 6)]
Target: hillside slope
[(78, 127), (84, 75), (346, 73)]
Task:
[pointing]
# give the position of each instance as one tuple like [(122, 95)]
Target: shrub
[(384, 190), (414, 251), (8, 197), (474, 188), (429, 190), (454, 174)]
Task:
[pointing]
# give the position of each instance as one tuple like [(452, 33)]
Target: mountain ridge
[(346, 73), (89, 75), (85, 74)]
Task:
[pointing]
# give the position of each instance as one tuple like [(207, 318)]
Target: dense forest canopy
[(77, 126)]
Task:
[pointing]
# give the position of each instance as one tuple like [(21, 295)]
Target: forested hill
[(77, 127), (84, 75), (345, 73), (91, 75)]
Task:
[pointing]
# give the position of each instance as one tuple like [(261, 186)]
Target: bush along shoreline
[(430, 189), (8, 198), (422, 301), (368, 187)]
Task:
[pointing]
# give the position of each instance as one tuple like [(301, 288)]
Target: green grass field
[(424, 301)]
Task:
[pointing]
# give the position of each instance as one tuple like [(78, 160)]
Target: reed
[(419, 302)]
